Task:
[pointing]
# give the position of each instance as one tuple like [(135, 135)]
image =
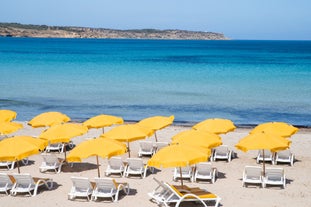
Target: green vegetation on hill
[(29, 30)]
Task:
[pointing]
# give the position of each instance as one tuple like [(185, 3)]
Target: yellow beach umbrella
[(278, 128), (99, 147), (156, 123), (178, 156), (63, 132), (263, 141), (7, 115), (48, 119), (102, 121), (217, 126), (19, 147), (128, 133), (40, 143), (197, 138), (9, 127)]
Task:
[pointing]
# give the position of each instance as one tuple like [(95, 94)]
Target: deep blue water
[(248, 82)]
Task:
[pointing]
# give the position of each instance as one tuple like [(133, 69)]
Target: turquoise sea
[(248, 82)]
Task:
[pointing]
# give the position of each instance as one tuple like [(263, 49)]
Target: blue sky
[(237, 19)]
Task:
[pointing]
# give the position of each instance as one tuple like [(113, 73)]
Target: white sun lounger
[(252, 175), (160, 193), (135, 166), (269, 156), (205, 171), (285, 156), (108, 188), (81, 187), (8, 164), (25, 183), (51, 162), (55, 147), (222, 152), (6, 183), (146, 148), (176, 194), (274, 176), (186, 173), (115, 166)]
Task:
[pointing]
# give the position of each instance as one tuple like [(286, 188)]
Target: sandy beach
[(228, 186)]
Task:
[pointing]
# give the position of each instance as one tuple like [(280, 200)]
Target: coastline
[(45, 31)]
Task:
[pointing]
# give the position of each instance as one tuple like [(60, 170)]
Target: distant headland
[(44, 31)]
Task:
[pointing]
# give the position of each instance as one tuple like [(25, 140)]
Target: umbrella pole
[(98, 172), (182, 183), (128, 148), (263, 163), (65, 152), (18, 170), (155, 135), (103, 130)]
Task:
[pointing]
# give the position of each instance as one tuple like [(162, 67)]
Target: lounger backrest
[(23, 179), (204, 168), (268, 153), (135, 163), (252, 172), (105, 184), (146, 145), (81, 183), (275, 174), (5, 179), (115, 162), (50, 159), (285, 154), (222, 149), (185, 170)]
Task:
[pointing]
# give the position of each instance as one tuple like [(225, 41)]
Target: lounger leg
[(116, 197), (34, 192), (217, 202), (12, 166), (6, 189)]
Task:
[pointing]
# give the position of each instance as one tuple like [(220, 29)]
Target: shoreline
[(190, 124)]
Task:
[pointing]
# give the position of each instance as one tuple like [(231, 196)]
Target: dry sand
[(228, 186)]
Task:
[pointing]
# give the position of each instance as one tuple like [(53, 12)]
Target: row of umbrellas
[(6, 124), (268, 136), (265, 136), (60, 131)]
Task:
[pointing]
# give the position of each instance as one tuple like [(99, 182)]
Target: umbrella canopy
[(48, 119), (63, 132), (262, 141), (39, 143), (20, 147), (7, 115), (178, 156), (197, 138), (128, 133), (102, 121), (102, 147), (156, 122), (9, 127), (217, 126), (278, 128)]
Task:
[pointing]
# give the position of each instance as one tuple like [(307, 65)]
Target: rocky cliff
[(44, 31)]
